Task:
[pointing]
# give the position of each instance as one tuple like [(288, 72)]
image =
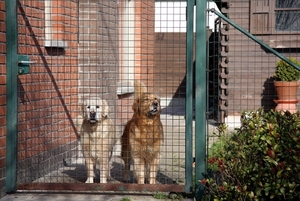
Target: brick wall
[(74, 57), (170, 64), (48, 95), (2, 98), (144, 41), (98, 50)]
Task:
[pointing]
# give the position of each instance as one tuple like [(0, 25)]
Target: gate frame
[(11, 94), (200, 91), (189, 96), (200, 96)]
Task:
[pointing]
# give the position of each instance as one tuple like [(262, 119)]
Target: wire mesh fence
[(75, 103), (79, 94), (246, 63)]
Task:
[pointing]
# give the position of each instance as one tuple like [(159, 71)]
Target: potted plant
[(286, 84)]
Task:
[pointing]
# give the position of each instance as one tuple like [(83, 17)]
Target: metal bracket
[(23, 64)]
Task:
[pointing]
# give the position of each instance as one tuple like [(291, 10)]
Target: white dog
[(98, 137)]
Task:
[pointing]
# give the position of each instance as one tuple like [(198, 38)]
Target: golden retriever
[(98, 137), (143, 136)]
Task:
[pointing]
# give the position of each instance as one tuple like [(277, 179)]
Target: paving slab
[(86, 197)]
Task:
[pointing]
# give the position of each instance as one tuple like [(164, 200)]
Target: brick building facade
[(75, 50)]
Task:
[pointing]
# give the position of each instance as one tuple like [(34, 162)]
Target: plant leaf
[(279, 173), (282, 190)]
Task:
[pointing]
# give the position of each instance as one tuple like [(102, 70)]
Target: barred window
[(274, 17), (277, 19), (287, 15)]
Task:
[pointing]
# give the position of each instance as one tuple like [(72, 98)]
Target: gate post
[(189, 95), (11, 95), (200, 97)]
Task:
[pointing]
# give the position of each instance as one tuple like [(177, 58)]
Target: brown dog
[(143, 136)]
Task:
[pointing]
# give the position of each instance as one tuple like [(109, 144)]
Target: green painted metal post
[(189, 96), (200, 92), (11, 94)]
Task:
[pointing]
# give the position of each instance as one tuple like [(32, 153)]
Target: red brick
[(2, 79), (2, 152), (2, 59), (2, 162), (2, 131), (2, 141), (2, 5), (3, 121), (2, 110)]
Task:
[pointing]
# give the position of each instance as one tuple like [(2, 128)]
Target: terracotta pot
[(286, 96)]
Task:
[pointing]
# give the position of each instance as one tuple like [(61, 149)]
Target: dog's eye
[(97, 106), (88, 107)]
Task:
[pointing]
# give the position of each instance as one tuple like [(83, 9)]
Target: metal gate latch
[(23, 64)]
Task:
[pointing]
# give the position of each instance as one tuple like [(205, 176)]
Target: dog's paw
[(141, 180), (103, 180), (152, 181), (90, 180)]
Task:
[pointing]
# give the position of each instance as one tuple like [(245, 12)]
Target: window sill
[(125, 87), (55, 43), (279, 44)]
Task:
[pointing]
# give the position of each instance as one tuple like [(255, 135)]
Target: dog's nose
[(92, 115)]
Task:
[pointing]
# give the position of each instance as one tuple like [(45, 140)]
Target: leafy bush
[(217, 147), (286, 72), (260, 161), (216, 151)]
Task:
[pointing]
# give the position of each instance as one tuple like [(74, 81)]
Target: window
[(53, 36), (275, 16), (287, 15)]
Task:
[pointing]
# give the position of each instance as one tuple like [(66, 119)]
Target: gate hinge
[(23, 64)]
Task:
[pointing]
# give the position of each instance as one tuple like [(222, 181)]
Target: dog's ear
[(135, 105), (105, 109), (139, 88)]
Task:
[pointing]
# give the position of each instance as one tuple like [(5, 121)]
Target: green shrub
[(215, 151), (218, 146), (260, 161), (160, 195), (126, 199), (286, 72)]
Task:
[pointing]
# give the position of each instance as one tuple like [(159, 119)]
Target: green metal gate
[(68, 50), (60, 52)]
